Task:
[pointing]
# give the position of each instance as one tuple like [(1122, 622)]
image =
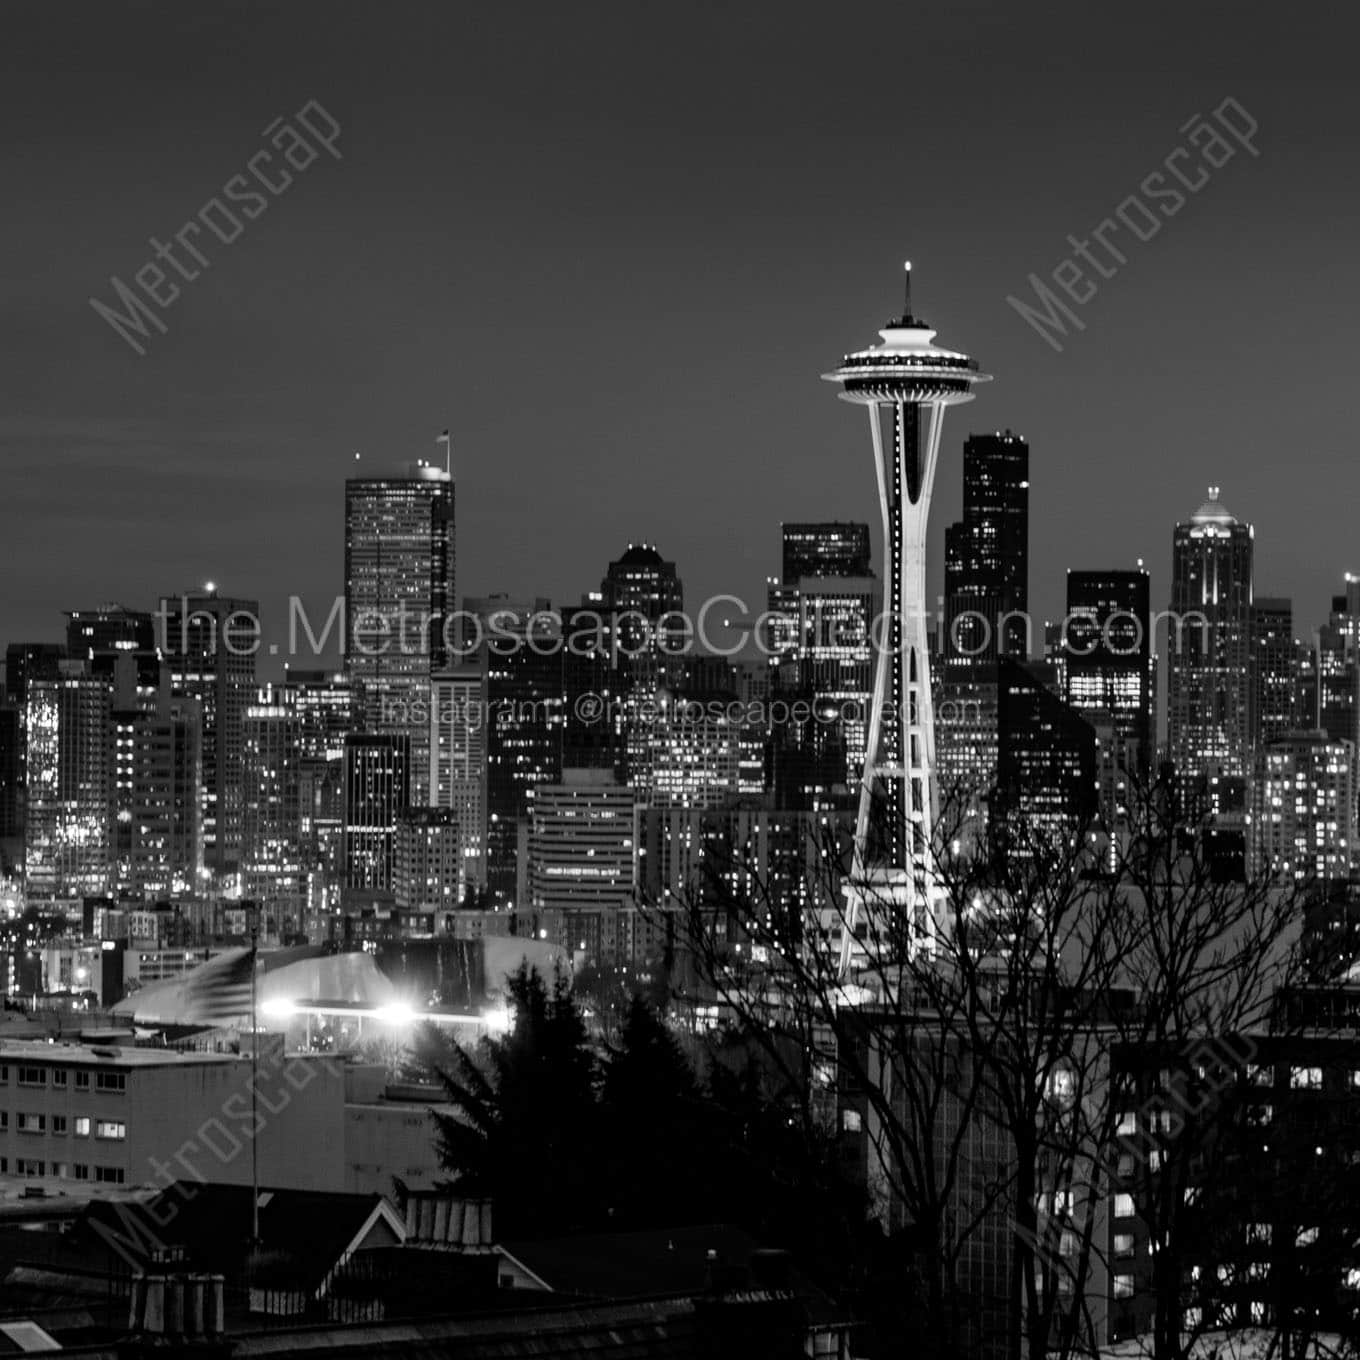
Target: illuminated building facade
[(158, 790), (701, 753), (987, 553), (1107, 671), (1046, 762), (1302, 821), (377, 791), (581, 860), (209, 642), (68, 850), (458, 740), (273, 871), (906, 382), (1274, 672), (400, 595), (525, 722), (1209, 646), (430, 875), (1338, 668)]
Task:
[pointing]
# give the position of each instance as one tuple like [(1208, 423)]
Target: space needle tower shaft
[(906, 382)]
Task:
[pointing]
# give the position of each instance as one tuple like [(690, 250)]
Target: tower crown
[(907, 365)]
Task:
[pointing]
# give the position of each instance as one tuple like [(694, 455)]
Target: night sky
[(613, 247)]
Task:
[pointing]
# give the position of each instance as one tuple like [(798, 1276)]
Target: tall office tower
[(523, 654), (987, 553), (1209, 651), (702, 753), (830, 549), (581, 861), (377, 792), (741, 864), (11, 805), (906, 382), (458, 718), (1046, 763), (965, 741), (209, 642), (826, 603), (643, 584), (157, 775), (1274, 672), (400, 600), (1338, 673), (1303, 810), (100, 637), (1108, 668), (67, 842), (273, 867), (25, 661), (430, 876), (327, 713)]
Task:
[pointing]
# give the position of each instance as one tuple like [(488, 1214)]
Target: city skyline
[(280, 361)]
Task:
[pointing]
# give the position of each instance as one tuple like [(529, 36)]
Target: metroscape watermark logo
[(723, 626), (1136, 219), (293, 145)]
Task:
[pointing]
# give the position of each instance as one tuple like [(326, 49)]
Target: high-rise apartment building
[(400, 599)]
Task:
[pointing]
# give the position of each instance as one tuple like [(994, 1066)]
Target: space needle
[(906, 382)]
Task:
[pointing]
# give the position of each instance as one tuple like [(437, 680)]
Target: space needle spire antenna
[(907, 383)]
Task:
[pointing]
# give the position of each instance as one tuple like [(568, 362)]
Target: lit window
[(82, 1126), (1123, 1206), (1123, 1244), (1305, 1078), (1123, 1286), (111, 1129)]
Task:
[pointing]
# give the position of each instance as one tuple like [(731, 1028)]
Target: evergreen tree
[(523, 1130)]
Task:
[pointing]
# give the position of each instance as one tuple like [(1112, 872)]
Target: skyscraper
[(1209, 647), (1274, 672), (1046, 762), (67, 845), (825, 605), (158, 779), (1108, 659), (458, 721), (906, 382), (581, 860), (377, 792), (400, 597), (1338, 659), (987, 553), (100, 636), (525, 722), (828, 549), (273, 868), (209, 642)]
